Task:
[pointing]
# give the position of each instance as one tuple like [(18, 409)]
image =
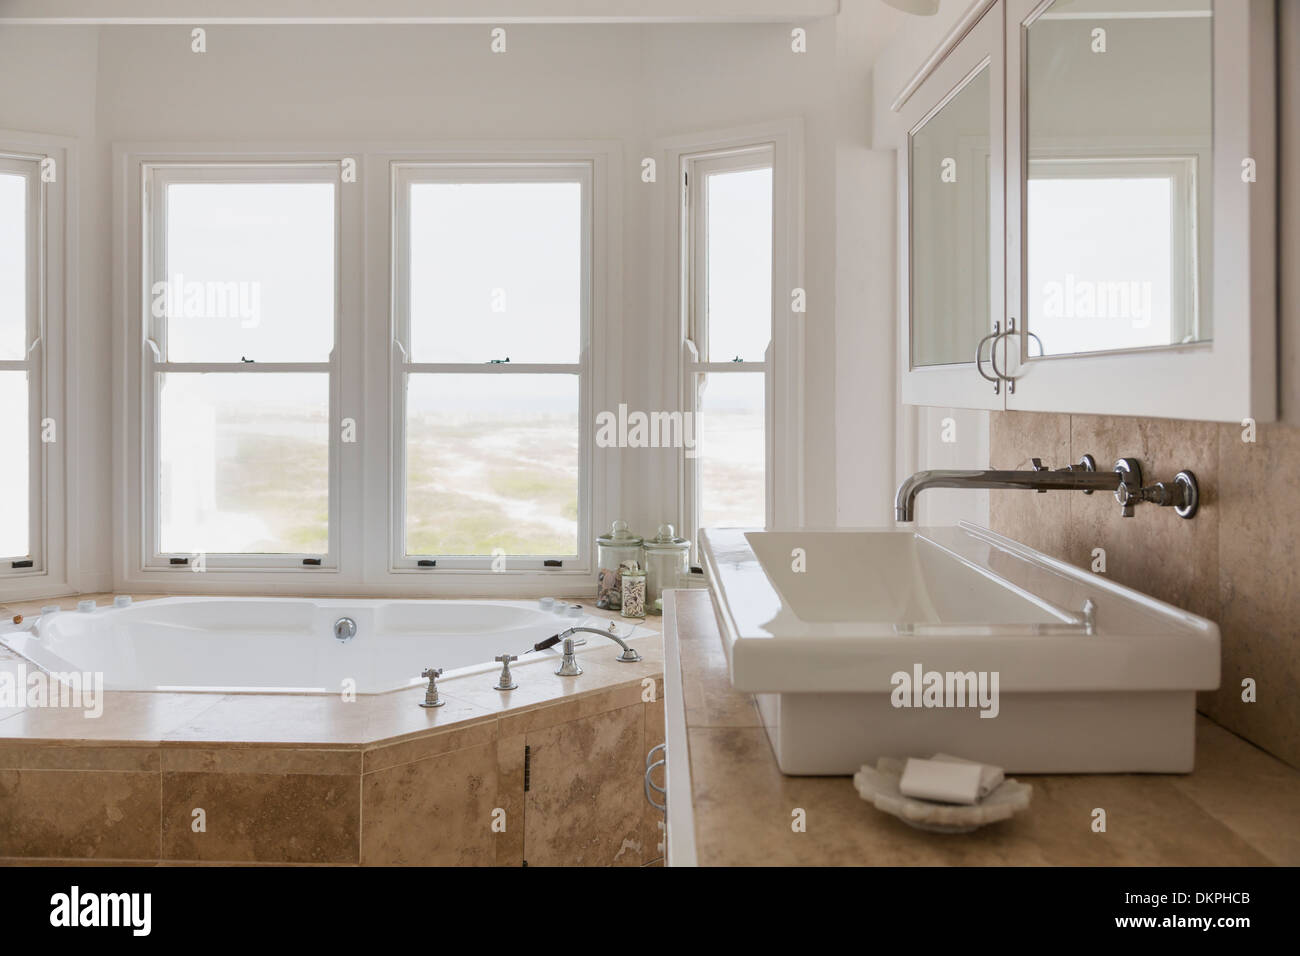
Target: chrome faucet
[(629, 656), (1124, 480)]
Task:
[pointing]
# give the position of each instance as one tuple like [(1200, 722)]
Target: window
[(492, 303), (727, 288), (241, 364), (21, 349), (1114, 261)]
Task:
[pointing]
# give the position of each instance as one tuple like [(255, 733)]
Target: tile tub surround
[(303, 779), (1239, 807), (1237, 562)]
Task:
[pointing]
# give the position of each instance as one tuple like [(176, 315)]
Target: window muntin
[(242, 453), (728, 262), (494, 352)]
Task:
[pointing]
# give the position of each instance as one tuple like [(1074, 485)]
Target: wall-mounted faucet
[(1124, 481)]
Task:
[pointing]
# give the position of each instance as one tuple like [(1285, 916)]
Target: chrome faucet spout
[(1079, 477)]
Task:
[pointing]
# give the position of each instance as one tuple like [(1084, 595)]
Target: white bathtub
[(283, 645)]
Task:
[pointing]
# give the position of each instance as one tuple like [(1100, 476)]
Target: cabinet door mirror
[(950, 179), (1118, 136)]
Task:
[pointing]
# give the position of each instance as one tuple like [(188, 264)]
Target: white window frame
[(697, 365), (405, 174), (142, 173), (784, 361), (362, 536), (48, 163)]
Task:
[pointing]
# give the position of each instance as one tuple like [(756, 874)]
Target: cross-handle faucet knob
[(507, 680), (431, 698)]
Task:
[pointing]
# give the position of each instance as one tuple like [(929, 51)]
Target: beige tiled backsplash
[(1236, 562)]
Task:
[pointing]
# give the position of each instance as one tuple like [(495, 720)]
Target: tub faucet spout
[(629, 656)]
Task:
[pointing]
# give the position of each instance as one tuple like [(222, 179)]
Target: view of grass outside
[(245, 463), (492, 462), (732, 451)]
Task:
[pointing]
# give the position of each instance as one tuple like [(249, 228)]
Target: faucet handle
[(431, 698), (507, 680)]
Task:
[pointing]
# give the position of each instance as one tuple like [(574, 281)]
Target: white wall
[(921, 431), (633, 84), (50, 79)]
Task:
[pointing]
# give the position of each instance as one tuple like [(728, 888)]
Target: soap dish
[(879, 786)]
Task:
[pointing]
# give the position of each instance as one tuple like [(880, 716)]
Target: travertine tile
[(126, 716), (432, 812), (1255, 795), (231, 759), (266, 817), (585, 803), (79, 814), (1155, 551), (30, 755), (510, 798), (1031, 518), (1259, 587), (465, 734)]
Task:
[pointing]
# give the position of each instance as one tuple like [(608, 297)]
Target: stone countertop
[(1240, 806), (325, 720)]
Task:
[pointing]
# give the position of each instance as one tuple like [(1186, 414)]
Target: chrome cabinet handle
[(651, 767), (979, 358)]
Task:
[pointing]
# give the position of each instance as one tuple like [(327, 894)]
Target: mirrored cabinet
[(1089, 195)]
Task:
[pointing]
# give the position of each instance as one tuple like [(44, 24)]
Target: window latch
[(426, 563), (503, 361), (246, 361)]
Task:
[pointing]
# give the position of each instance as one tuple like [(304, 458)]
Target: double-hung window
[(21, 349), (727, 293), (491, 374), (241, 364)]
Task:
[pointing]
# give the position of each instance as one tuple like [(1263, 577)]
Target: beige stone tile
[(398, 715), (266, 817), (1155, 551), (431, 744), (509, 844), (1259, 588), (275, 719), (1255, 795), (432, 812), (126, 716), (1030, 518), (234, 759), (35, 755), (744, 807), (585, 802), (78, 814), (709, 698), (653, 819)]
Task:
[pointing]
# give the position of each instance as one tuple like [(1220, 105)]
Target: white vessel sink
[(824, 648)]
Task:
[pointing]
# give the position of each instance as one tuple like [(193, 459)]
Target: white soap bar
[(990, 777), (941, 780)]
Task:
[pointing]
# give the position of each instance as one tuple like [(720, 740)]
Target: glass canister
[(633, 587), (612, 550), (666, 556)]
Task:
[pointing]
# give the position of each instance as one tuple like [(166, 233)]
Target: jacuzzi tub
[(284, 645)]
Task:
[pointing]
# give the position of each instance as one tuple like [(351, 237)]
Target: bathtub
[(283, 645)]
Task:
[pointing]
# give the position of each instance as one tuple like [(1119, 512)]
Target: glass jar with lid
[(612, 550), (666, 556)]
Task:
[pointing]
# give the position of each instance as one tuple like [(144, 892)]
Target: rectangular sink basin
[(862, 644)]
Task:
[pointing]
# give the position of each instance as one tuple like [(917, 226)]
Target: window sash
[(406, 174), (696, 168), (32, 363), (157, 176)]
